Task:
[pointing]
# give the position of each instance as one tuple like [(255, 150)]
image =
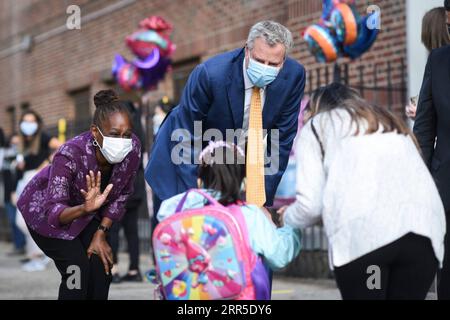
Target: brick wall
[(75, 59)]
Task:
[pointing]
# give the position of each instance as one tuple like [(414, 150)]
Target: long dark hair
[(222, 169), (337, 95)]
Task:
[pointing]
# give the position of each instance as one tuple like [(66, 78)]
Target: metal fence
[(381, 83)]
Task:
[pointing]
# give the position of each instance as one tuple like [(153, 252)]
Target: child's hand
[(280, 213)]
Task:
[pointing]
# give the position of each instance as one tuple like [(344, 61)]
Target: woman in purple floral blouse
[(70, 205)]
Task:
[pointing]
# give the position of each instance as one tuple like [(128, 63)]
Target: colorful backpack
[(205, 254)]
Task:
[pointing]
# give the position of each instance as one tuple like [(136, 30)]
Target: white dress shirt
[(369, 191)]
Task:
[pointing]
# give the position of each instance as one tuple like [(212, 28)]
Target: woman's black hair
[(106, 103), (223, 170)]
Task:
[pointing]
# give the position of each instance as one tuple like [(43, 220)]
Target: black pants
[(94, 283), (156, 205), (154, 222), (129, 223), (444, 274), (407, 269)]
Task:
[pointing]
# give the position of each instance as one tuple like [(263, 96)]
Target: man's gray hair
[(271, 31)]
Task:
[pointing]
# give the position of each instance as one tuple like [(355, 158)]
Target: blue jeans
[(17, 235)]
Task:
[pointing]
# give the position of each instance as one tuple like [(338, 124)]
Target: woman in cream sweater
[(361, 174)]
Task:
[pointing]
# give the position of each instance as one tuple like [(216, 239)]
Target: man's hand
[(101, 248), (274, 217)]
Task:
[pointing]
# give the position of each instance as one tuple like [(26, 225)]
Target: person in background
[(431, 129), (435, 34), (10, 184), (70, 205), (129, 221), (35, 149), (162, 109), (361, 174), (35, 144)]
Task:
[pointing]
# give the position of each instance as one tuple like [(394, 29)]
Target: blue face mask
[(28, 128), (260, 74)]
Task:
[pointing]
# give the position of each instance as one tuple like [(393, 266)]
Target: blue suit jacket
[(214, 94)]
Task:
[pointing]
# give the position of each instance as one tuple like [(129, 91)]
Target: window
[(181, 72), (83, 118)]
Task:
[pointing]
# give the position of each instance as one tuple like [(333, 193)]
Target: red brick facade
[(74, 59)]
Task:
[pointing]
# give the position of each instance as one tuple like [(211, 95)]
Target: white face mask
[(114, 149)]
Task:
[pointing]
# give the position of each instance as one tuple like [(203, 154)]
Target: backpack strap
[(204, 194), (258, 274), (322, 150), (236, 211)]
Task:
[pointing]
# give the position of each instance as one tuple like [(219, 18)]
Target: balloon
[(341, 32), (155, 23), (366, 38), (128, 77), (149, 62), (142, 43), (344, 22), (152, 48), (151, 76), (322, 45)]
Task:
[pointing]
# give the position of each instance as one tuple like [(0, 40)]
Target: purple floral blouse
[(58, 186)]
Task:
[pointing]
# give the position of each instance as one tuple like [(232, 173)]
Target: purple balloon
[(151, 77), (118, 62), (149, 62)]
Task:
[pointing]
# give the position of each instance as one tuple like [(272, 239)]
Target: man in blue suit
[(217, 96)]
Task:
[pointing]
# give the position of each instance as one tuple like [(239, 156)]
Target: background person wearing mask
[(70, 205), (35, 144), (432, 131), (35, 149), (162, 109)]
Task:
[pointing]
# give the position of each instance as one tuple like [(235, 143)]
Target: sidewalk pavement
[(18, 284)]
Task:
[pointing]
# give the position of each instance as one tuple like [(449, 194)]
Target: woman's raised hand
[(93, 198)]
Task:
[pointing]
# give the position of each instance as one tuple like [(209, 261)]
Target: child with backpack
[(216, 245)]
